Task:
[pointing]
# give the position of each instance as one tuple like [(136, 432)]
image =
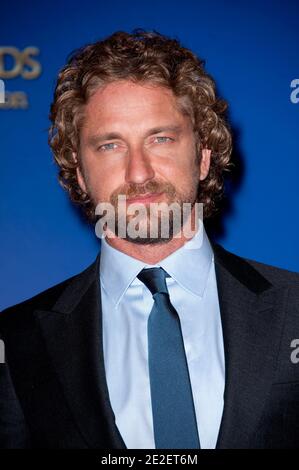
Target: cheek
[(181, 171), (102, 183), (102, 177)]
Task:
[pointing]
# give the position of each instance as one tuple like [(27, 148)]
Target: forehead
[(125, 102)]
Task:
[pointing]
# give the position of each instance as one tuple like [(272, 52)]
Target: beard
[(155, 223)]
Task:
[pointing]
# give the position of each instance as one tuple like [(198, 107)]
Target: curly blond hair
[(141, 57)]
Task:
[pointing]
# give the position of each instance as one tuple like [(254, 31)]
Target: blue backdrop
[(251, 49)]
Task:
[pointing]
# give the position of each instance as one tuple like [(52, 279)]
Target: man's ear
[(80, 178), (204, 163)]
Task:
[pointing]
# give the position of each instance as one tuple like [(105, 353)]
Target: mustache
[(134, 190)]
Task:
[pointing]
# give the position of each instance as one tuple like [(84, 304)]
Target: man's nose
[(139, 168)]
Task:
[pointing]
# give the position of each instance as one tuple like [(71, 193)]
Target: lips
[(144, 198)]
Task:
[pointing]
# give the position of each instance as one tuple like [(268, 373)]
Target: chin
[(148, 240)]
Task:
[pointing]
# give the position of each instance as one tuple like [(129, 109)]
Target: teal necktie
[(173, 411)]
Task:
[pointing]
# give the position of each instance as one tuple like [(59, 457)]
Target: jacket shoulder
[(21, 312), (244, 266), (276, 275)]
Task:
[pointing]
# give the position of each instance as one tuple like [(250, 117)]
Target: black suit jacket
[(53, 391)]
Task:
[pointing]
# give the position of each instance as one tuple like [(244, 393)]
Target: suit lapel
[(252, 315), (72, 331)]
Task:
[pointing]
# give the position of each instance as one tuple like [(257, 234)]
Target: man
[(167, 340)]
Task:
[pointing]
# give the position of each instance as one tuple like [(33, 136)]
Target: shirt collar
[(189, 266)]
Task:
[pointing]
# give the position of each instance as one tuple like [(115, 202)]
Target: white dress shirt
[(126, 305)]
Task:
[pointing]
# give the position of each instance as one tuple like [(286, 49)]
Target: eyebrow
[(94, 140)]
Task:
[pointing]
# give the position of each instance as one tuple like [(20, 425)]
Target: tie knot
[(154, 279)]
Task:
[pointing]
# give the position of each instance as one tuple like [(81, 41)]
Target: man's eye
[(163, 139), (106, 147)]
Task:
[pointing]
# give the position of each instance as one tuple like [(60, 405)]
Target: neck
[(153, 253)]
